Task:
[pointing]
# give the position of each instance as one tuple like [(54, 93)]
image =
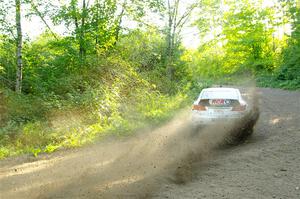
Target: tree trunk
[(82, 49), (172, 15), (175, 24), (119, 22), (19, 47), (97, 24)]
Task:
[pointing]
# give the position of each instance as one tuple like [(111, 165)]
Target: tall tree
[(19, 46), (94, 24), (176, 19), (90, 23)]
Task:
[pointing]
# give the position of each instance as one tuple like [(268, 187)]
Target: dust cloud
[(140, 165)]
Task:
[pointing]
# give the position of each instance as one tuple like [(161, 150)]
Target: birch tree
[(19, 47)]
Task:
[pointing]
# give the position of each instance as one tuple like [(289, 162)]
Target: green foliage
[(271, 80), (142, 49), (146, 51), (287, 75), (249, 42), (290, 68), (7, 61), (67, 104), (245, 39)]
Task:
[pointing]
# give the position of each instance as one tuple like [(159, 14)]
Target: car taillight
[(239, 108), (199, 108)]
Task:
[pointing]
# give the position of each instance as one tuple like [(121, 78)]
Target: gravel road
[(267, 165)]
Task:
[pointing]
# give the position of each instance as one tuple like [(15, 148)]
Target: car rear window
[(219, 102), (226, 94)]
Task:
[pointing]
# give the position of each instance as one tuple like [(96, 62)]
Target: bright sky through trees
[(33, 26), (190, 35)]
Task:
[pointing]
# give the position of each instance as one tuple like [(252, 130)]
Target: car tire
[(244, 130)]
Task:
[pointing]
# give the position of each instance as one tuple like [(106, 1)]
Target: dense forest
[(119, 65)]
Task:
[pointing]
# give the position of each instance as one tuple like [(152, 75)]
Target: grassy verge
[(269, 80), (32, 127)]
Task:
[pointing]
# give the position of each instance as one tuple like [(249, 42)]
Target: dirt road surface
[(168, 162)]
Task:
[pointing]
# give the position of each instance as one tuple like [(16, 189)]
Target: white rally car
[(218, 105)]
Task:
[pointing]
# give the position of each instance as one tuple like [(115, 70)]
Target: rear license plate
[(216, 111)]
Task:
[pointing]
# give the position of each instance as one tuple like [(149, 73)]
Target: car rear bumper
[(199, 120)]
